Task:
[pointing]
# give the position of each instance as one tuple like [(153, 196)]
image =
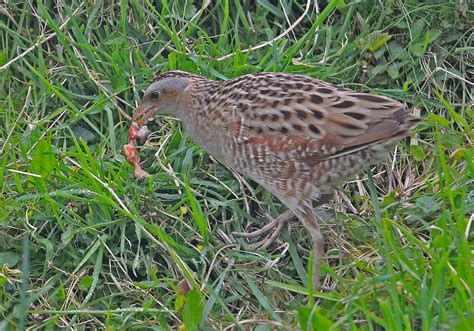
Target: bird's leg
[(277, 224), (308, 217)]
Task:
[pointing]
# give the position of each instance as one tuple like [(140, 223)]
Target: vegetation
[(85, 245)]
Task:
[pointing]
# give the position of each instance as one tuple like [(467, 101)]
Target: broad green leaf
[(434, 118), (189, 10), (433, 35), (417, 28), (10, 258), (86, 282), (43, 159), (341, 5), (379, 68), (179, 302), (376, 40), (192, 312), (418, 49), (60, 293), (392, 71), (440, 241), (417, 152), (397, 52), (119, 82), (310, 320), (427, 203)]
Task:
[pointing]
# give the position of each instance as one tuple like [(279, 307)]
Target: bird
[(297, 136)]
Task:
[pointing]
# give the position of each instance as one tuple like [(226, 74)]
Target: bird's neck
[(201, 95), (197, 112)]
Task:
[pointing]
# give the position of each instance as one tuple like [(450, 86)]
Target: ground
[(85, 245)]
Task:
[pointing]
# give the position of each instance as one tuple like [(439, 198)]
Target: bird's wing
[(313, 120)]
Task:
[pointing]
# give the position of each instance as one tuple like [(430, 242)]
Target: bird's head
[(168, 94)]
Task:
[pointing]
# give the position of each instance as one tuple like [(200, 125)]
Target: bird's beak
[(143, 112)]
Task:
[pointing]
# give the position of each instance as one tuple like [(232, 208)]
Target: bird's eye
[(155, 95)]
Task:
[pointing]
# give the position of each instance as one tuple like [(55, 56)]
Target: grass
[(84, 245)]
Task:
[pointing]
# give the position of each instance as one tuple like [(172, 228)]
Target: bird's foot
[(324, 288), (318, 287), (275, 225)]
